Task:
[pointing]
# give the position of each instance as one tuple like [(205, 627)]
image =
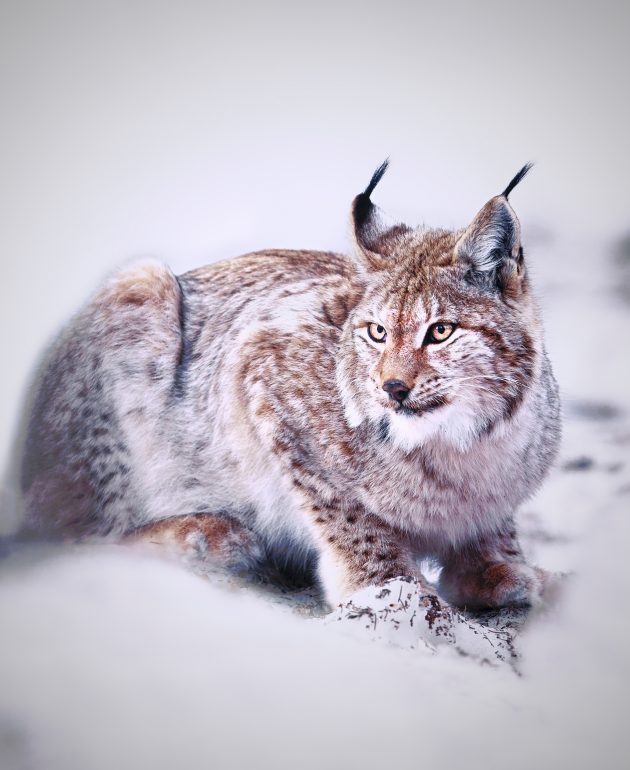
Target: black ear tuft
[(362, 204), (376, 177), (517, 179)]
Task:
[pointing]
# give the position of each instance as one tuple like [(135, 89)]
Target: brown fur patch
[(145, 284)]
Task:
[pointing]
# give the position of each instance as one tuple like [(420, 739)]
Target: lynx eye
[(439, 332), (376, 332)]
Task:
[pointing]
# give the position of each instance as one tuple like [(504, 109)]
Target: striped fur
[(246, 398)]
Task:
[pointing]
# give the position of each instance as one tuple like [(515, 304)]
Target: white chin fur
[(453, 424)]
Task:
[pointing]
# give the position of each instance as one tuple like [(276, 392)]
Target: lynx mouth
[(429, 405)]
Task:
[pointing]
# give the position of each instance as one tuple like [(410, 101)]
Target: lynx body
[(311, 409)]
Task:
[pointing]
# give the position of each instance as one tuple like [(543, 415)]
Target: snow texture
[(399, 613)]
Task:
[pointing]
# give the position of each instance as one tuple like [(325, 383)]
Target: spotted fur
[(241, 405)]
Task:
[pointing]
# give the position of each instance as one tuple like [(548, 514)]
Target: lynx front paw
[(500, 584)]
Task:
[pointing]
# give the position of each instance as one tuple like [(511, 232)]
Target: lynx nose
[(396, 389)]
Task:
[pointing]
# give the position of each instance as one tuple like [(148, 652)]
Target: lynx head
[(446, 341)]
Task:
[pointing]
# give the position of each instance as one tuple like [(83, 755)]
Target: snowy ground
[(111, 658)]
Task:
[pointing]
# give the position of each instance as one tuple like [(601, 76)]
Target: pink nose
[(396, 390)]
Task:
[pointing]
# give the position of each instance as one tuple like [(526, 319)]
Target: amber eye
[(376, 332), (440, 331)]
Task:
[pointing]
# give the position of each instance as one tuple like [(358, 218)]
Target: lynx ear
[(376, 239), (491, 245)]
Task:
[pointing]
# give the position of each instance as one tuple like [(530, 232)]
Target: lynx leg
[(204, 541), (492, 574), (357, 550)]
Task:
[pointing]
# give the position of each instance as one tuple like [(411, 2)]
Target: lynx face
[(446, 340)]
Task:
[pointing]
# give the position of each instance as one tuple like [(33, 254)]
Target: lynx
[(340, 416)]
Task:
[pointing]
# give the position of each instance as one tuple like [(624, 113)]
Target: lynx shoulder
[(328, 414)]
